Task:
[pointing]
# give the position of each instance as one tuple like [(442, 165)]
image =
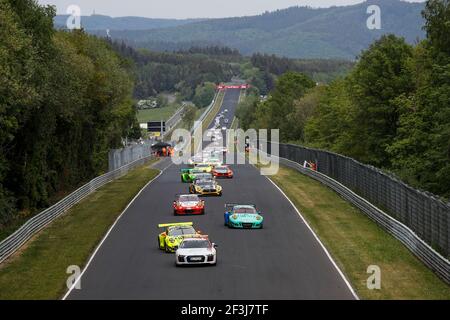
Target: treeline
[(263, 69), (218, 51), (65, 100), (184, 71), (391, 111)]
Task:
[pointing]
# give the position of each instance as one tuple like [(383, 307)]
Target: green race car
[(189, 175), (174, 234)]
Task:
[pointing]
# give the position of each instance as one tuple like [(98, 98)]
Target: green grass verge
[(38, 271), (355, 242), (209, 118), (157, 114)]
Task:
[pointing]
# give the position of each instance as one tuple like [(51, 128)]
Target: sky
[(181, 9)]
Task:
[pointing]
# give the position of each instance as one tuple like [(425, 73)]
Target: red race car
[(188, 204), (222, 172)]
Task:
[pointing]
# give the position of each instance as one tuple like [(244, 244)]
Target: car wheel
[(174, 212), (166, 248), (159, 245)]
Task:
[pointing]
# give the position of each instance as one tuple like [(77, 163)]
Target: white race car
[(196, 250)]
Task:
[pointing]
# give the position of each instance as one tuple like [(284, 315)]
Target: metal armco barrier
[(419, 220), (41, 220), (119, 157)]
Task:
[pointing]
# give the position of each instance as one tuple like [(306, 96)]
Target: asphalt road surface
[(281, 261)]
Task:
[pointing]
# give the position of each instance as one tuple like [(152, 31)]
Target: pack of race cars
[(191, 246)]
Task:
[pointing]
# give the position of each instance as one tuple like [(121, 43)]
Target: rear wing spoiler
[(164, 225), (195, 236)]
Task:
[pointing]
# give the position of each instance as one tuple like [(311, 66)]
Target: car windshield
[(204, 176), (205, 182), (191, 244), (202, 165), (186, 198), (221, 169), (245, 210), (181, 231)]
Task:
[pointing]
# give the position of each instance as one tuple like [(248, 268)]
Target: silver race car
[(196, 251)]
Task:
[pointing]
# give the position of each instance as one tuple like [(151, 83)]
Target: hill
[(298, 32), (102, 22)]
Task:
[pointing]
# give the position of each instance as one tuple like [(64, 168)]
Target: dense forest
[(183, 71), (263, 69), (65, 100), (392, 110)]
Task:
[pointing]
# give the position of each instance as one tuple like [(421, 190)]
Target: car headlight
[(258, 218), (171, 240), (198, 189), (234, 216), (219, 188)]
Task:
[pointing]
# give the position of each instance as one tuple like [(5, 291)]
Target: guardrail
[(175, 119), (429, 256), (41, 220), (119, 157), (12, 243)]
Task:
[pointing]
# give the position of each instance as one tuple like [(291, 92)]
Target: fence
[(418, 219), (120, 162), (119, 157), (41, 220), (175, 119)]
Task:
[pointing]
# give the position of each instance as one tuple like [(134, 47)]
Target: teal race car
[(243, 216), (189, 175)]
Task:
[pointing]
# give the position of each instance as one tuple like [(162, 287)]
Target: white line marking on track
[(109, 231), (318, 240)]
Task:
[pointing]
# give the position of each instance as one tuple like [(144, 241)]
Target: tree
[(189, 115), (421, 151), (204, 94), (380, 76), (278, 112)]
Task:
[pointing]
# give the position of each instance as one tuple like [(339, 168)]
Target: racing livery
[(203, 167), (174, 234), (188, 175), (222, 172), (188, 204), (192, 162), (213, 162), (243, 217), (196, 251), (206, 187)]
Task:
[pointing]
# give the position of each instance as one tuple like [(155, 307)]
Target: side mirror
[(214, 245)]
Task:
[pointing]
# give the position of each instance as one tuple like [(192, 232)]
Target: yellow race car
[(174, 234), (205, 167), (205, 187)]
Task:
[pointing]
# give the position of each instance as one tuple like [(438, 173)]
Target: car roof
[(180, 227), (187, 195), (244, 206)]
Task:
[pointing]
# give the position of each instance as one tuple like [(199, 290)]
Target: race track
[(281, 261)]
